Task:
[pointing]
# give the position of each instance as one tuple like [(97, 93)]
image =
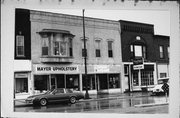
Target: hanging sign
[(138, 63)]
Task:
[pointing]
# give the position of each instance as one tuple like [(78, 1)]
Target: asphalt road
[(116, 105)]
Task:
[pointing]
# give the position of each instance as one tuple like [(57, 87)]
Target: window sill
[(56, 59)]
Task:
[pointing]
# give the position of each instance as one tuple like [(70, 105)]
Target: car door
[(60, 95)]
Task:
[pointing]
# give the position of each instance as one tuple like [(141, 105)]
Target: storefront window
[(21, 85), (90, 82), (72, 81), (147, 78), (114, 81), (135, 78), (41, 83)]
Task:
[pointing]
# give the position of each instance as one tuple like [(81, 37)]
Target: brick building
[(162, 55), (138, 42)]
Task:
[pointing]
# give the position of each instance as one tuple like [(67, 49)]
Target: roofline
[(135, 22), (161, 36), (74, 15)]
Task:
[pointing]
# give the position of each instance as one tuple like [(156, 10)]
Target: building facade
[(56, 46), (137, 43), (162, 55), (49, 53), (144, 55)]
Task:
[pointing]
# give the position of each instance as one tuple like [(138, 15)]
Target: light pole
[(85, 58)]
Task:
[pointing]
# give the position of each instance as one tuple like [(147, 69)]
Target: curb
[(150, 105)]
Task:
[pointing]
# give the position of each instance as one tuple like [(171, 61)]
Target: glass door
[(53, 83)]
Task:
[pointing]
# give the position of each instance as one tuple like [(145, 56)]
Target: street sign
[(138, 63)]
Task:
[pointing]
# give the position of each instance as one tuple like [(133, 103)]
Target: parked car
[(157, 90), (56, 95)]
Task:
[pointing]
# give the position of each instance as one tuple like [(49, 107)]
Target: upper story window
[(97, 48), (56, 43), (161, 51), (138, 48), (138, 51), (45, 45), (20, 45), (70, 47), (168, 51), (110, 48), (84, 51), (60, 45)]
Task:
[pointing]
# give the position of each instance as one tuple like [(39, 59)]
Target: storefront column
[(80, 83), (155, 74), (139, 77), (30, 86)]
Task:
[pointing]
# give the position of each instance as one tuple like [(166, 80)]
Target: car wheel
[(43, 102), (72, 100)]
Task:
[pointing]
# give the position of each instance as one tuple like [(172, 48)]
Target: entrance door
[(102, 82), (53, 83), (126, 84), (57, 81)]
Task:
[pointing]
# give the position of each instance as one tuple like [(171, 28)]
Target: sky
[(159, 18)]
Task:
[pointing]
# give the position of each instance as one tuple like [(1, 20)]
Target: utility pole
[(85, 58)]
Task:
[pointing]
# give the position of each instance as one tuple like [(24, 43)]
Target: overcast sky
[(159, 18)]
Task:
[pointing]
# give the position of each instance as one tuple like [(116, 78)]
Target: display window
[(147, 78), (21, 85), (72, 82), (90, 82), (114, 81), (41, 83)]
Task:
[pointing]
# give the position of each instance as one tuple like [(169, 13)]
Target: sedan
[(56, 95)]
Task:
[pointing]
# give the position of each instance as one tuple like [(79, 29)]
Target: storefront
[(21, 84), (101, 79), (138, 80)]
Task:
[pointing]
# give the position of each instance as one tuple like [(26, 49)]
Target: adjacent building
[(162, 55), (145, 56)]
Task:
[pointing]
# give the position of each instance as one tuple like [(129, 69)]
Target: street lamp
[(85, 58)]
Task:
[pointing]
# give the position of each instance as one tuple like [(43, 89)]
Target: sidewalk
[(95, 97)]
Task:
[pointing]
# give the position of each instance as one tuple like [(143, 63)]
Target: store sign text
[(56, 68)]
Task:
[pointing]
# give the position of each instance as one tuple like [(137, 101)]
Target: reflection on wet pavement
[(95, 105)]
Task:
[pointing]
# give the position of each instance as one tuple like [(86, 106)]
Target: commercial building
[(121, 55), (162, 55), (52, 46), (144, 55)]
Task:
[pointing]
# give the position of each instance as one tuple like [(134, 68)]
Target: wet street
[(115, 105)]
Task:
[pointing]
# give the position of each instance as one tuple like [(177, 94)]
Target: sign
[(138, 63), (54, 69), (138, 67), (21, 75), (101, 68)]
